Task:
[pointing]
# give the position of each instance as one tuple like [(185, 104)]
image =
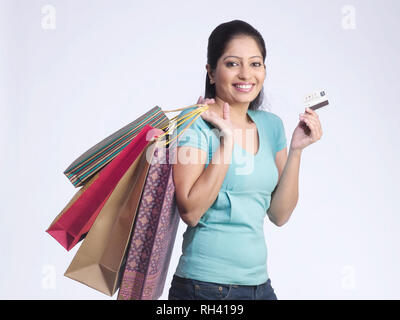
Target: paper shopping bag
[(153, 235), (98, 261), (98, 156), (61, 235), (78, 217)]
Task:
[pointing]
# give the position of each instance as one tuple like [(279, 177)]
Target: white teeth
[(243, 86)]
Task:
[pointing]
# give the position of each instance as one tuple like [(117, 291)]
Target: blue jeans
[(190, 289)]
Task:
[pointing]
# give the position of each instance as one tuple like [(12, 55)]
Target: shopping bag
[(98, 156), (61, 235), (75, 221), (98, 260), (101, 259), (153, 235)]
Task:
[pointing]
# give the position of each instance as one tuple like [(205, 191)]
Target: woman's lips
[(243, 88)]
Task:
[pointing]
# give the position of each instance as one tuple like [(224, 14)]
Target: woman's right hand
[(224, 124)]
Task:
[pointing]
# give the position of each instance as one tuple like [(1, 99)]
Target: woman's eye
[(229, 64)]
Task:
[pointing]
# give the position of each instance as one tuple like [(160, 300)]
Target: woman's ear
[(210, 73)]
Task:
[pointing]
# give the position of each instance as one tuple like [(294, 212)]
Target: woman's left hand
[(307, 131)]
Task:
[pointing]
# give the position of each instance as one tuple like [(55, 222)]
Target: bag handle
[(184, 108), (194, 114)]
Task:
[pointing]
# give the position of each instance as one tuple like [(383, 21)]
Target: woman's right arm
[(195, 188)]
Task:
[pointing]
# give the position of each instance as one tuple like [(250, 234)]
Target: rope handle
[(184, 108), (194, 114)]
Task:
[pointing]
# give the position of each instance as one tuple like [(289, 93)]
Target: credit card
[(316, 100)]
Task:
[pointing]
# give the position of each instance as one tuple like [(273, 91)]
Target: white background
[(105, 63)]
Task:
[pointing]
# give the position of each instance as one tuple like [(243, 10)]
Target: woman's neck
[(238, 111)]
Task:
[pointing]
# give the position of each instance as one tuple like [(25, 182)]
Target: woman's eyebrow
[(241, 58)]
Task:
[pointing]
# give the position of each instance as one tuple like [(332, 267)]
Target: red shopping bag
[(77, 219)]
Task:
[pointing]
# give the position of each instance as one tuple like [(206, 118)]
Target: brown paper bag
[(98, 262)]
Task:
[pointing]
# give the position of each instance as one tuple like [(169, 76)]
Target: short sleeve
[(280, 136), (194, 135)]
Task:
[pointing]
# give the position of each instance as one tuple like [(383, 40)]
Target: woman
[(223, 202)]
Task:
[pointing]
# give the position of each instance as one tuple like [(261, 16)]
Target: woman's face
[(240, 72)]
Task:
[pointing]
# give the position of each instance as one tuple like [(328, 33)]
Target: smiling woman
[(224, 255), (251, 53)]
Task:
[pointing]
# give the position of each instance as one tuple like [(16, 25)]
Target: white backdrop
[(72, 72)]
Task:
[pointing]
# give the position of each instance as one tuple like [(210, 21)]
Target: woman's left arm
[(286, 194)]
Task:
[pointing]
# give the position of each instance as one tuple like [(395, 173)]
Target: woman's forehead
[(242, 47)]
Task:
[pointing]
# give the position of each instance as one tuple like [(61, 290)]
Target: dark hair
[(217, 43)]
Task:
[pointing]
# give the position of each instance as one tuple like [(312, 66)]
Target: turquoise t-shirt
[(228, 245)]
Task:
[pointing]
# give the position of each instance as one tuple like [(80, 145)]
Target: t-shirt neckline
[(259, 137)]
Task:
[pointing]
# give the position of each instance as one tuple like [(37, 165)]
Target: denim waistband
[(194, 281)]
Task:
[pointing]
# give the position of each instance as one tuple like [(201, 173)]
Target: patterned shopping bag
[(153, 235)]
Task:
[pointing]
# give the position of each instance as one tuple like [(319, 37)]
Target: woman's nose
[(244, 72)]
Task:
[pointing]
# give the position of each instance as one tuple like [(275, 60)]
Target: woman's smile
[(243, 87)]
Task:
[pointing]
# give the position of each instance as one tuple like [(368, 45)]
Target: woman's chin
[(235, 99), (243, 100)]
